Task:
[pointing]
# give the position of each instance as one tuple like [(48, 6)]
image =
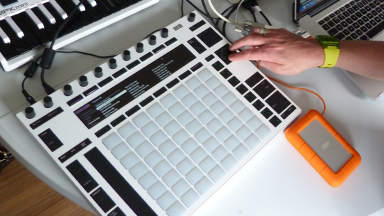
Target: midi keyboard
[(159, 128)]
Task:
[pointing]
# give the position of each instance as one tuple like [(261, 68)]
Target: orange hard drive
[(333, 178)]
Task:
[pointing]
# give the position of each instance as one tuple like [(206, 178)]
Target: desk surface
[(276, 181)]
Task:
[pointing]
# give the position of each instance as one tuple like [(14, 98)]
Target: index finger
[(249, 54), (249, 40)]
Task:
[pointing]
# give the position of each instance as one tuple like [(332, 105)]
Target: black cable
[(266, 19), (22, 84), (200, 11), (235, 5), (182, 8), (70, 15), (227, 16), (152, 33), (84, 53), (209, 16), (253, 15)]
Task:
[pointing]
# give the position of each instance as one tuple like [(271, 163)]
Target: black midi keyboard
[(161, 127), (27, 27)]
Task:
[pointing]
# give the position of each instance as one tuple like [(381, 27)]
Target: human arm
[(286, 53)]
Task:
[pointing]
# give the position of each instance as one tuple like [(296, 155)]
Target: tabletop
[(278, 180)]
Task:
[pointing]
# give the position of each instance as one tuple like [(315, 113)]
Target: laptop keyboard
[(180, 146), (357, 20)]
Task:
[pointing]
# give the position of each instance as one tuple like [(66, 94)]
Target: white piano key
[(4, 36), (34, 18), (60, 10), (81, 7), (15, 28), (46, 13), (93, 3)]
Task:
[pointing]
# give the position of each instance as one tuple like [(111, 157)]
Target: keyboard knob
[(98, 72), (83, 81), (48, 102), (30, 113), (68, 90), (152, 40), (191, 17), (112, 63), (139, 47), (164, 33), (126, 55)]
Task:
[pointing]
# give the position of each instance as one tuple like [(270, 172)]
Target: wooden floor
[(21, 193)]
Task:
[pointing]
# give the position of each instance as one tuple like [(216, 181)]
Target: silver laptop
[(346, 20)]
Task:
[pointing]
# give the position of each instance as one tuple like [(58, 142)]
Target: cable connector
[(31, 70), (28, 97), (48, 88), (248, 26), (47, 58)]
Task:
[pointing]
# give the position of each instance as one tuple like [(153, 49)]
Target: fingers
[(249, 54), (270, 66), (256, 38)]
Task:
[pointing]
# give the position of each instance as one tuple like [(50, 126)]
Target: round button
[(30, 112), (68, 90), (164, 33), (48, 102), (126, 55), (112, 63), (191, 17), (139, 47), (98, 72), (83, 81), (152, 40)]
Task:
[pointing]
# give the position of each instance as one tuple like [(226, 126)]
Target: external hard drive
[(323, 147)]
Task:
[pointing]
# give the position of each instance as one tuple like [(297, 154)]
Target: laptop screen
[(303, 6)]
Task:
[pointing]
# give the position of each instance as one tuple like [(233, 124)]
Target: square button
[(176, 157), (168, 100), (212, 83), (206, 116), (237, 107), (203, 185), (229, 98), (226, 73), (201, 91), (144, 149), (167, 147), (211, 144), (162, 168), (214, 125), (185, 166), (153, 158), (198, 155), (197, 108), (189, 198), (221, 90), (231, 143), (234, 124), (171, 178), (163, 119), (155, 110), (207, 164), (158, 138), (150, 129), (226, 116), (185, 118), (218, 66), (189, 100), (223, 134), (251, 141), (218, 107), (246, 115), (141, 120), (181, 91), (209, 99), (172, 128), (176, 109), (234, 81), (180, 188), (250, 97), (157, 190), (147, 180), (193, 83), (180, 137), (194, 176), (135, 139), (241, 89), (205, 74), (121, 150), (193, 126), (127, 130), (202, 135)]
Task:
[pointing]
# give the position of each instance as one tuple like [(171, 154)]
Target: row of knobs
[(83, 80)]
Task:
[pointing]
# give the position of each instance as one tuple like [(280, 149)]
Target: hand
[(280, 51)]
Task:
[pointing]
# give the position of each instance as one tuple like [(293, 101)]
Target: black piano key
[(7, 50), (40, 34), (123, 3), (93, 12), (59, 20), (111, 5), (49, 27), (16, 42), (81, 16), (101, 7), (29, 38)]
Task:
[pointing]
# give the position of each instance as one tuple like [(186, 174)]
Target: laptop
[(346, 20)]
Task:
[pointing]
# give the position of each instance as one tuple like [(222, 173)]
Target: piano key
[(29, 38), (48, 26), (81, 17), (34, 18), (41, 34), (111, 5), (15, 28), (81, 7), (8, 51), (93, 12), (123, 3), (101, 7), (4, 36), (16, 42), (47, 14), (92, 3), (59, 10), (67, 28)]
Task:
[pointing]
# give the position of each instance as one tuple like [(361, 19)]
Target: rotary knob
[(83, 81), (152, 40), (139, 47), (112, 63), (68, 90), (48, 102), (98, 72), (191, 17), (126, 55), (164, 33), (30, 113)]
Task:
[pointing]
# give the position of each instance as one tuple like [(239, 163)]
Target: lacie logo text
[(325, 145), (5, 11)]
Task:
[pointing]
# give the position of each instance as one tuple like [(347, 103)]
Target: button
[(14, 27), (30, 113), (126, 55), (68, 90), (164, 33), (112, 63), (59, 9), (139, 47), (34, 18), (83, 81), (191, 17), (152, 40), (48, 102), (98, 72), (46, 13)]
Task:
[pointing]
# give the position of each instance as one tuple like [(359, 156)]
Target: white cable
[(237, 10), (221, 16)]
